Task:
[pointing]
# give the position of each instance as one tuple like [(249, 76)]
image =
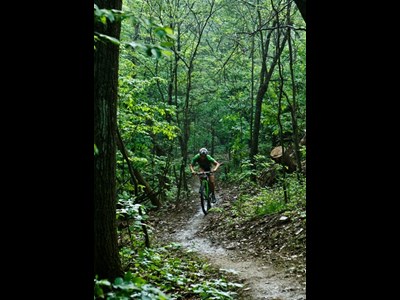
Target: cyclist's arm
[(216, 164), (194, 160)]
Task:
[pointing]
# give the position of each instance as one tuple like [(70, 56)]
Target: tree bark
[(107, 262)]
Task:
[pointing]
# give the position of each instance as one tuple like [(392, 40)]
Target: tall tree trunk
[(259, 99), (107, 262), (252, 90), (293, 110), (281, 82)]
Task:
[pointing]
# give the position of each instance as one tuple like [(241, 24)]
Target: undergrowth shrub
[(259, 201), (167, 272)]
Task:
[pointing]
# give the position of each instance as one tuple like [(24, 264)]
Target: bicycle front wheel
[(204, 199)]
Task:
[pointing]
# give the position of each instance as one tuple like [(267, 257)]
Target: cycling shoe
[(213, 199)]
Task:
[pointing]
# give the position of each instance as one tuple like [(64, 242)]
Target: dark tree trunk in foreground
[(107, 262)]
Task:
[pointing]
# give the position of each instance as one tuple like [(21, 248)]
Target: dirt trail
[(261, 280)]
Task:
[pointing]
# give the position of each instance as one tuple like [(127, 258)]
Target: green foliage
[(266, 204), (216, 209), (176, 275), (138, 115), (161, 272), (129, 210), (303, 151), (246, 168), (164, 33), (102, 15), (146, 127), (104, 37), (129, 287), (140, 121), (297, 191), (215, 289), (269, 200)]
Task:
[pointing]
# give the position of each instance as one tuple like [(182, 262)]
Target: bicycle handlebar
[(204, 172)]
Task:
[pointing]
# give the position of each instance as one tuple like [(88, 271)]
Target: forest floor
[(267, 254)]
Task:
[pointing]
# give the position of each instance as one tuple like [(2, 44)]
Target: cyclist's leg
[(212, 183), (212, 187)]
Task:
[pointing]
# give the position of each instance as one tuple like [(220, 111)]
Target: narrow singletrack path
[(261, 279)]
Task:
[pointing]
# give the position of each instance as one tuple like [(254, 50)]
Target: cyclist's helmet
[(203, 151)]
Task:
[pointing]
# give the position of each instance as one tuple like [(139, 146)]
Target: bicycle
[(205, 193)]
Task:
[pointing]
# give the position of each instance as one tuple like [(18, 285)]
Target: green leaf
[(109, 38), (118, 281), (166, 44), (96, 150), (160, 32), (169, 30)]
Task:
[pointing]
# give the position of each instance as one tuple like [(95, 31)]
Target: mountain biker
[(204, 161)]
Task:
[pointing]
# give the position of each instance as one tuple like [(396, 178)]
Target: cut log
[(276, 152), (288, 159)]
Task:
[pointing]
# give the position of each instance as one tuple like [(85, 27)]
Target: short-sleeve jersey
[(204, 164)]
